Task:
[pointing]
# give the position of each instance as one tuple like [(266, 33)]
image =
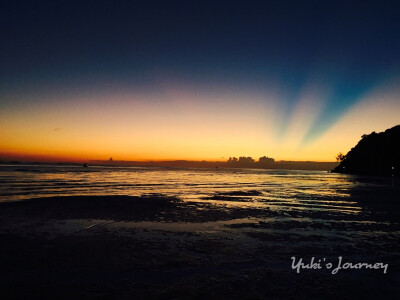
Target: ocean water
[(280, 189), (30, 181)]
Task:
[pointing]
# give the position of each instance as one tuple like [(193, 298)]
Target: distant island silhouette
[(375, 154), (263, 162)]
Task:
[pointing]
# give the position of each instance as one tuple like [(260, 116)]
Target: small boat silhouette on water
[(85, 165)]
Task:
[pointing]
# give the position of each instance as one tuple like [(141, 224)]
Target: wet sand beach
[(162, 247)]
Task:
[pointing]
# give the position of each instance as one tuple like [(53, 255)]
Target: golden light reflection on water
[(264, 189), (307, 206)]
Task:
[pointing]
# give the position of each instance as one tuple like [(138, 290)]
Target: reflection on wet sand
[(232, 240)]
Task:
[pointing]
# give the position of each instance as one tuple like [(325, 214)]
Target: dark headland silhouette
[(375, 154)]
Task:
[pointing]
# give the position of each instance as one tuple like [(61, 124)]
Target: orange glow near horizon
[(186, 125)]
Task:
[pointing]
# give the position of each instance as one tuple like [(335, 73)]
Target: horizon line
[(79, 160)]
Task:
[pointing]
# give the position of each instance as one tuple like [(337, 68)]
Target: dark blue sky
[(351, 46)]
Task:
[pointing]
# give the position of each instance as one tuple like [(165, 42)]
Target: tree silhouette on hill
[(375, 154)]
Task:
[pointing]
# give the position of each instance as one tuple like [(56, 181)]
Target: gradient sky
[(138, 80)]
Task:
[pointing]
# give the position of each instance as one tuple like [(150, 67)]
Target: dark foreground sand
[(156, 247)]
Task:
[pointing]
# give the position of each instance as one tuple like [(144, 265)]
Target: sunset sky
[(141, 80)]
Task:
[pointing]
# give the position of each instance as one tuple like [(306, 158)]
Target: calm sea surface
[(273, 188)]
